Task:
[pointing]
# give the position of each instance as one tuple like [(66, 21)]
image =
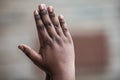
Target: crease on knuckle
[(52, 15), (37, 17), (47, 42), (43, 12), (48, 24), (58, 40), (65, 29), (62, 21), (56, 24), (40, 26)]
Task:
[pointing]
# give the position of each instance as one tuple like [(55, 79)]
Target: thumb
[(33, 55)]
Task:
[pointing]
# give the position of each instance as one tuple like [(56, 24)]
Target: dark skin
[(56, 54)]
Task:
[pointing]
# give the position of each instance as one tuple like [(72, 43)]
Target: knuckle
[(70, 40), (48, 24), (37, 17), (56, 24), (52, 15), (62, 21), (67, 40), (65, 29), (48, 42), (58, 40), (40, 27), (43, 12)]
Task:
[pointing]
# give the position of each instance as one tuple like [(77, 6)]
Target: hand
[(56, 54)]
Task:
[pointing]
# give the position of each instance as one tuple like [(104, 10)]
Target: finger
[(55, 20), (42, 33), (64, 26), (34, 56), (37, 18), (46, 20)]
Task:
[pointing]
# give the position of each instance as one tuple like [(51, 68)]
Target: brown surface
[(91, 52)]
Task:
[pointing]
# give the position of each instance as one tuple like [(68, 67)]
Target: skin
[(56, 54)]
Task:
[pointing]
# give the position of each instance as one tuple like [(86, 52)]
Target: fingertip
[(50, 8), (42, 6), (60, 16), (21, 46), (33, 55), (36, 12), (61, 20)]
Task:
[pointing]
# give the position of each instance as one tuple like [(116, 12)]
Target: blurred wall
[(94, 25)]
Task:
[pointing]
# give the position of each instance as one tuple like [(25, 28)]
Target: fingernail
[(21, 47), (50, 8), (36, 12), (42, 6), (61, 16)]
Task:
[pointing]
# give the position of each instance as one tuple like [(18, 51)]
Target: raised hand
[(56, 54)]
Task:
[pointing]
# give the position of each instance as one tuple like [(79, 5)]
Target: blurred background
[(94, 25)]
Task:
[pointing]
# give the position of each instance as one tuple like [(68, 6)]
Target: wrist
[(65, 73), (64, 76)]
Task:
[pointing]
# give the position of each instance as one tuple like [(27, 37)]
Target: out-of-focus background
[(94, 25)]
